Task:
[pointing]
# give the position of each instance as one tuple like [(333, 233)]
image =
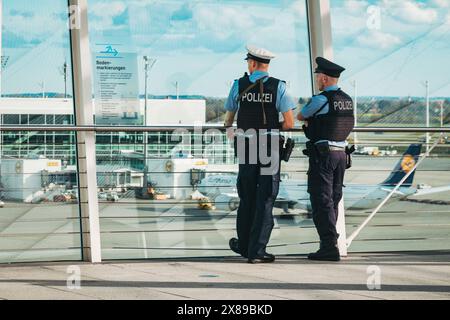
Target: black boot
[(326, 253), (234, 246), (266, 258)]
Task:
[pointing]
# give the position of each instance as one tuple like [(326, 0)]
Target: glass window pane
[(194, 50), (11, 119), (392, 50), (396, 55), (39, 211), (50, 119)]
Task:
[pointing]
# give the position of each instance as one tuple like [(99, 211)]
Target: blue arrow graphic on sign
[(110, 50)]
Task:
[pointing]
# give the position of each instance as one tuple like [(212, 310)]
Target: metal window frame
[(84, 116), (321, 44), (86, 128)]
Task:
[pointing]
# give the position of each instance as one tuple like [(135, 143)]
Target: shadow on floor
[(235, 285)]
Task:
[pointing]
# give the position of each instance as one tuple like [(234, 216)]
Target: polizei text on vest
[(256, 97)]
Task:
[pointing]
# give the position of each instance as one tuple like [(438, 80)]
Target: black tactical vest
[(250, 113), (335, 125)]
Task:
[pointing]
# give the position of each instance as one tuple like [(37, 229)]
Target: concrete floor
[(402, 276)]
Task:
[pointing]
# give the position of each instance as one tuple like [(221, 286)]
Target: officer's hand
[(289, 121), (230, 133)]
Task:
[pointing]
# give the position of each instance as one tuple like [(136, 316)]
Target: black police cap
[(329, 68)]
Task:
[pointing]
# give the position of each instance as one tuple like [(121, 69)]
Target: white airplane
[(293, 193)]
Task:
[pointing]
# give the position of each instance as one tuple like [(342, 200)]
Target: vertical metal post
[(148, 64), (84, 115), (321, 44), (319, 25), (145, 134), (64, 74)]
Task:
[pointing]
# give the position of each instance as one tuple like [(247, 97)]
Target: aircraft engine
[(226, 202)]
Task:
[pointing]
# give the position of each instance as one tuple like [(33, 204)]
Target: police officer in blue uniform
[(258, 100), (328, 120)]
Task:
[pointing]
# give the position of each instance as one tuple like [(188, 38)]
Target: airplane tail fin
[(405, 165)]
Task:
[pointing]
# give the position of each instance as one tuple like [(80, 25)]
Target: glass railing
[(163, 221), (39, 207), (180, 200)]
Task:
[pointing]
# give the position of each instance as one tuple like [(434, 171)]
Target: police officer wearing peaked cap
[(257, 99), (328, 122)]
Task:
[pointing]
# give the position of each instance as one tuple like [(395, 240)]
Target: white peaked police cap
[(259, 54)]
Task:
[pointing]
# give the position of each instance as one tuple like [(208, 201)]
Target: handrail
[(202, 128)]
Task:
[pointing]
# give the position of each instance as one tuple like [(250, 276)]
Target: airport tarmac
[(392, 230)]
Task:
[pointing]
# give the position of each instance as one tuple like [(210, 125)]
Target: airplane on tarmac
[(293, 193)]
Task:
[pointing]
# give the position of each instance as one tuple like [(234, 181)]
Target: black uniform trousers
[(325, 183), (257, 193)]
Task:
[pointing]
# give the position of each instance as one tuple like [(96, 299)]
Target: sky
[(390, 47), (409, 45)]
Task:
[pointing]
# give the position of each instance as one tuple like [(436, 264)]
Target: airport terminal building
[(59, 111), (111, 138)]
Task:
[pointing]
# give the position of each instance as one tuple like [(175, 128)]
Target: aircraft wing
[(426, 191)]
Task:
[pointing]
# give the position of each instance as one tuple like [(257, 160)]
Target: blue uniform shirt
[(316, 103), (284, 101)]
